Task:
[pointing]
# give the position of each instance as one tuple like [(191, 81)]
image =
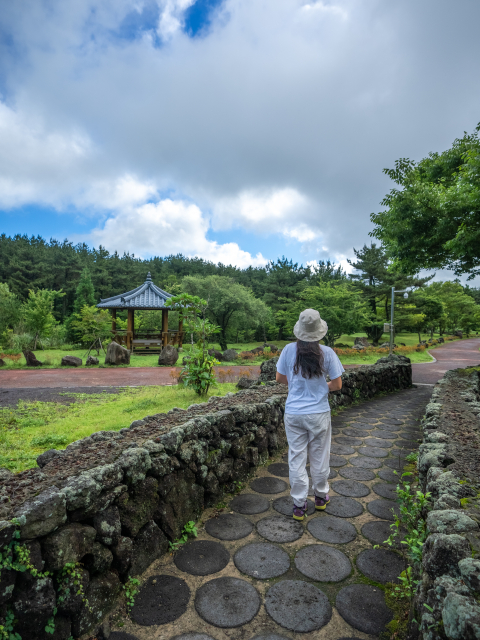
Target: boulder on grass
[(273, 347), (362, 342), (168, 356), (229, 355), (71, 361), (31, 359), (116, 354), (91, 360), (2, 363), (218, 355)]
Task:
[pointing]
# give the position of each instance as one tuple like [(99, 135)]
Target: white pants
[(312, 432)]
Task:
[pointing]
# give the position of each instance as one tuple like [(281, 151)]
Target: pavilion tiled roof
[(146, 296)]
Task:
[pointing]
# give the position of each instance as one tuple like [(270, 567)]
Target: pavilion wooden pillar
[(180, 332), (164, 327), (114, 321), (130, 328)]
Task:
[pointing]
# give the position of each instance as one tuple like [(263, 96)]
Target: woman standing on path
[(303, 365)]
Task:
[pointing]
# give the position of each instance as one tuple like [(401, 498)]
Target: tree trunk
[(223, 340), (419, 336)]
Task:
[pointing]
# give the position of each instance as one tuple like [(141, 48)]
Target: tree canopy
[(433, 219)]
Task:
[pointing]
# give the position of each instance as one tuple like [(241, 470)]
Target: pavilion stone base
[(113, 500)]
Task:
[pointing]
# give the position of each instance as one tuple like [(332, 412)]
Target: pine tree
[(85, 292)]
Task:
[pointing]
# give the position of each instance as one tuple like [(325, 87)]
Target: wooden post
[(164, 327), (180, 332), (114, 321), (130, 329)]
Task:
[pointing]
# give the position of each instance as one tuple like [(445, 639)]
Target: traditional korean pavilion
[(145, 297)]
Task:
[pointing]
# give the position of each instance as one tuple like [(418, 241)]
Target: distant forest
[(34, 263)]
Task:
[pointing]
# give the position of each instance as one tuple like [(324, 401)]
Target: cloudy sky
[(235, 130)]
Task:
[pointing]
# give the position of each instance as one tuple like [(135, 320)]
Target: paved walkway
[(254, 572), (456, 354), (453, 355)]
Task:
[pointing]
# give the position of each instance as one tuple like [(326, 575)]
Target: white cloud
[(280, 120), (167, 227)]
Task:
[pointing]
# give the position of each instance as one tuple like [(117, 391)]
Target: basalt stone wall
[(446, 603), (112, 501)]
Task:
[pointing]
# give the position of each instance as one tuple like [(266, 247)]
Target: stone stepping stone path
[(256, 573), (229, 527), (323, 564), (262, 560), (227, 602), (381, 565), (331, 529), (202, 557), (268, 485), (351, 488)]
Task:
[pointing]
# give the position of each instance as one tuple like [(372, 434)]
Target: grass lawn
[(53, 357), (34, 427)]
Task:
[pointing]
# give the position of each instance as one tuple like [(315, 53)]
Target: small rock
[(268, 369), (107, 525), (98, 560), (91, 360), (71, 361), (246, 383), (122, 555), (44, 458), (168, 356), (116, 354), (43, 514), (442, 553), (68, 544), (363, 342), (229, 355), (149, 545), (5, 474), (2, 362), (470, 572), (450, 521), (461, 617), (101, 597)]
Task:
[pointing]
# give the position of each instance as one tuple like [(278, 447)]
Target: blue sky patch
[(198, 17)]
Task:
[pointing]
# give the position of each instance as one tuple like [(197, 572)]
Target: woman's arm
[(281, 378), (334, 385)]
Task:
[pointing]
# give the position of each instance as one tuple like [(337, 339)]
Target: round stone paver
[(284, 505), (365, 463), (385, 490), (362, 426), (341, 449), (268, 485), (249, 504), (279, 469), (344, 507), (406, 444), (374, 452), (383, 509), (322, 563), (337, 461), (227, 602), (350, 488), (395, 463), (364, 608), (298, 606), (356, 433), (229, 526), (332, 530), (381, 565), (262, 560), (352, 442), (279, 529), (161, 599), (388, 427), (332, 474), (378, 531), (387, 435), (202, 557), (357, 473), (378, 442), (389, 475)]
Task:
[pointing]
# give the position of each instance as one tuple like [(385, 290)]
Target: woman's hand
[(334, 385)]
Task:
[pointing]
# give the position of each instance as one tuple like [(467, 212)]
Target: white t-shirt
[(308, 396)]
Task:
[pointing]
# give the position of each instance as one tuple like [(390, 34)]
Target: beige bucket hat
[(310, 327)]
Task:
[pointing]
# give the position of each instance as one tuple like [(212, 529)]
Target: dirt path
[(253, 572), (453, 355)]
